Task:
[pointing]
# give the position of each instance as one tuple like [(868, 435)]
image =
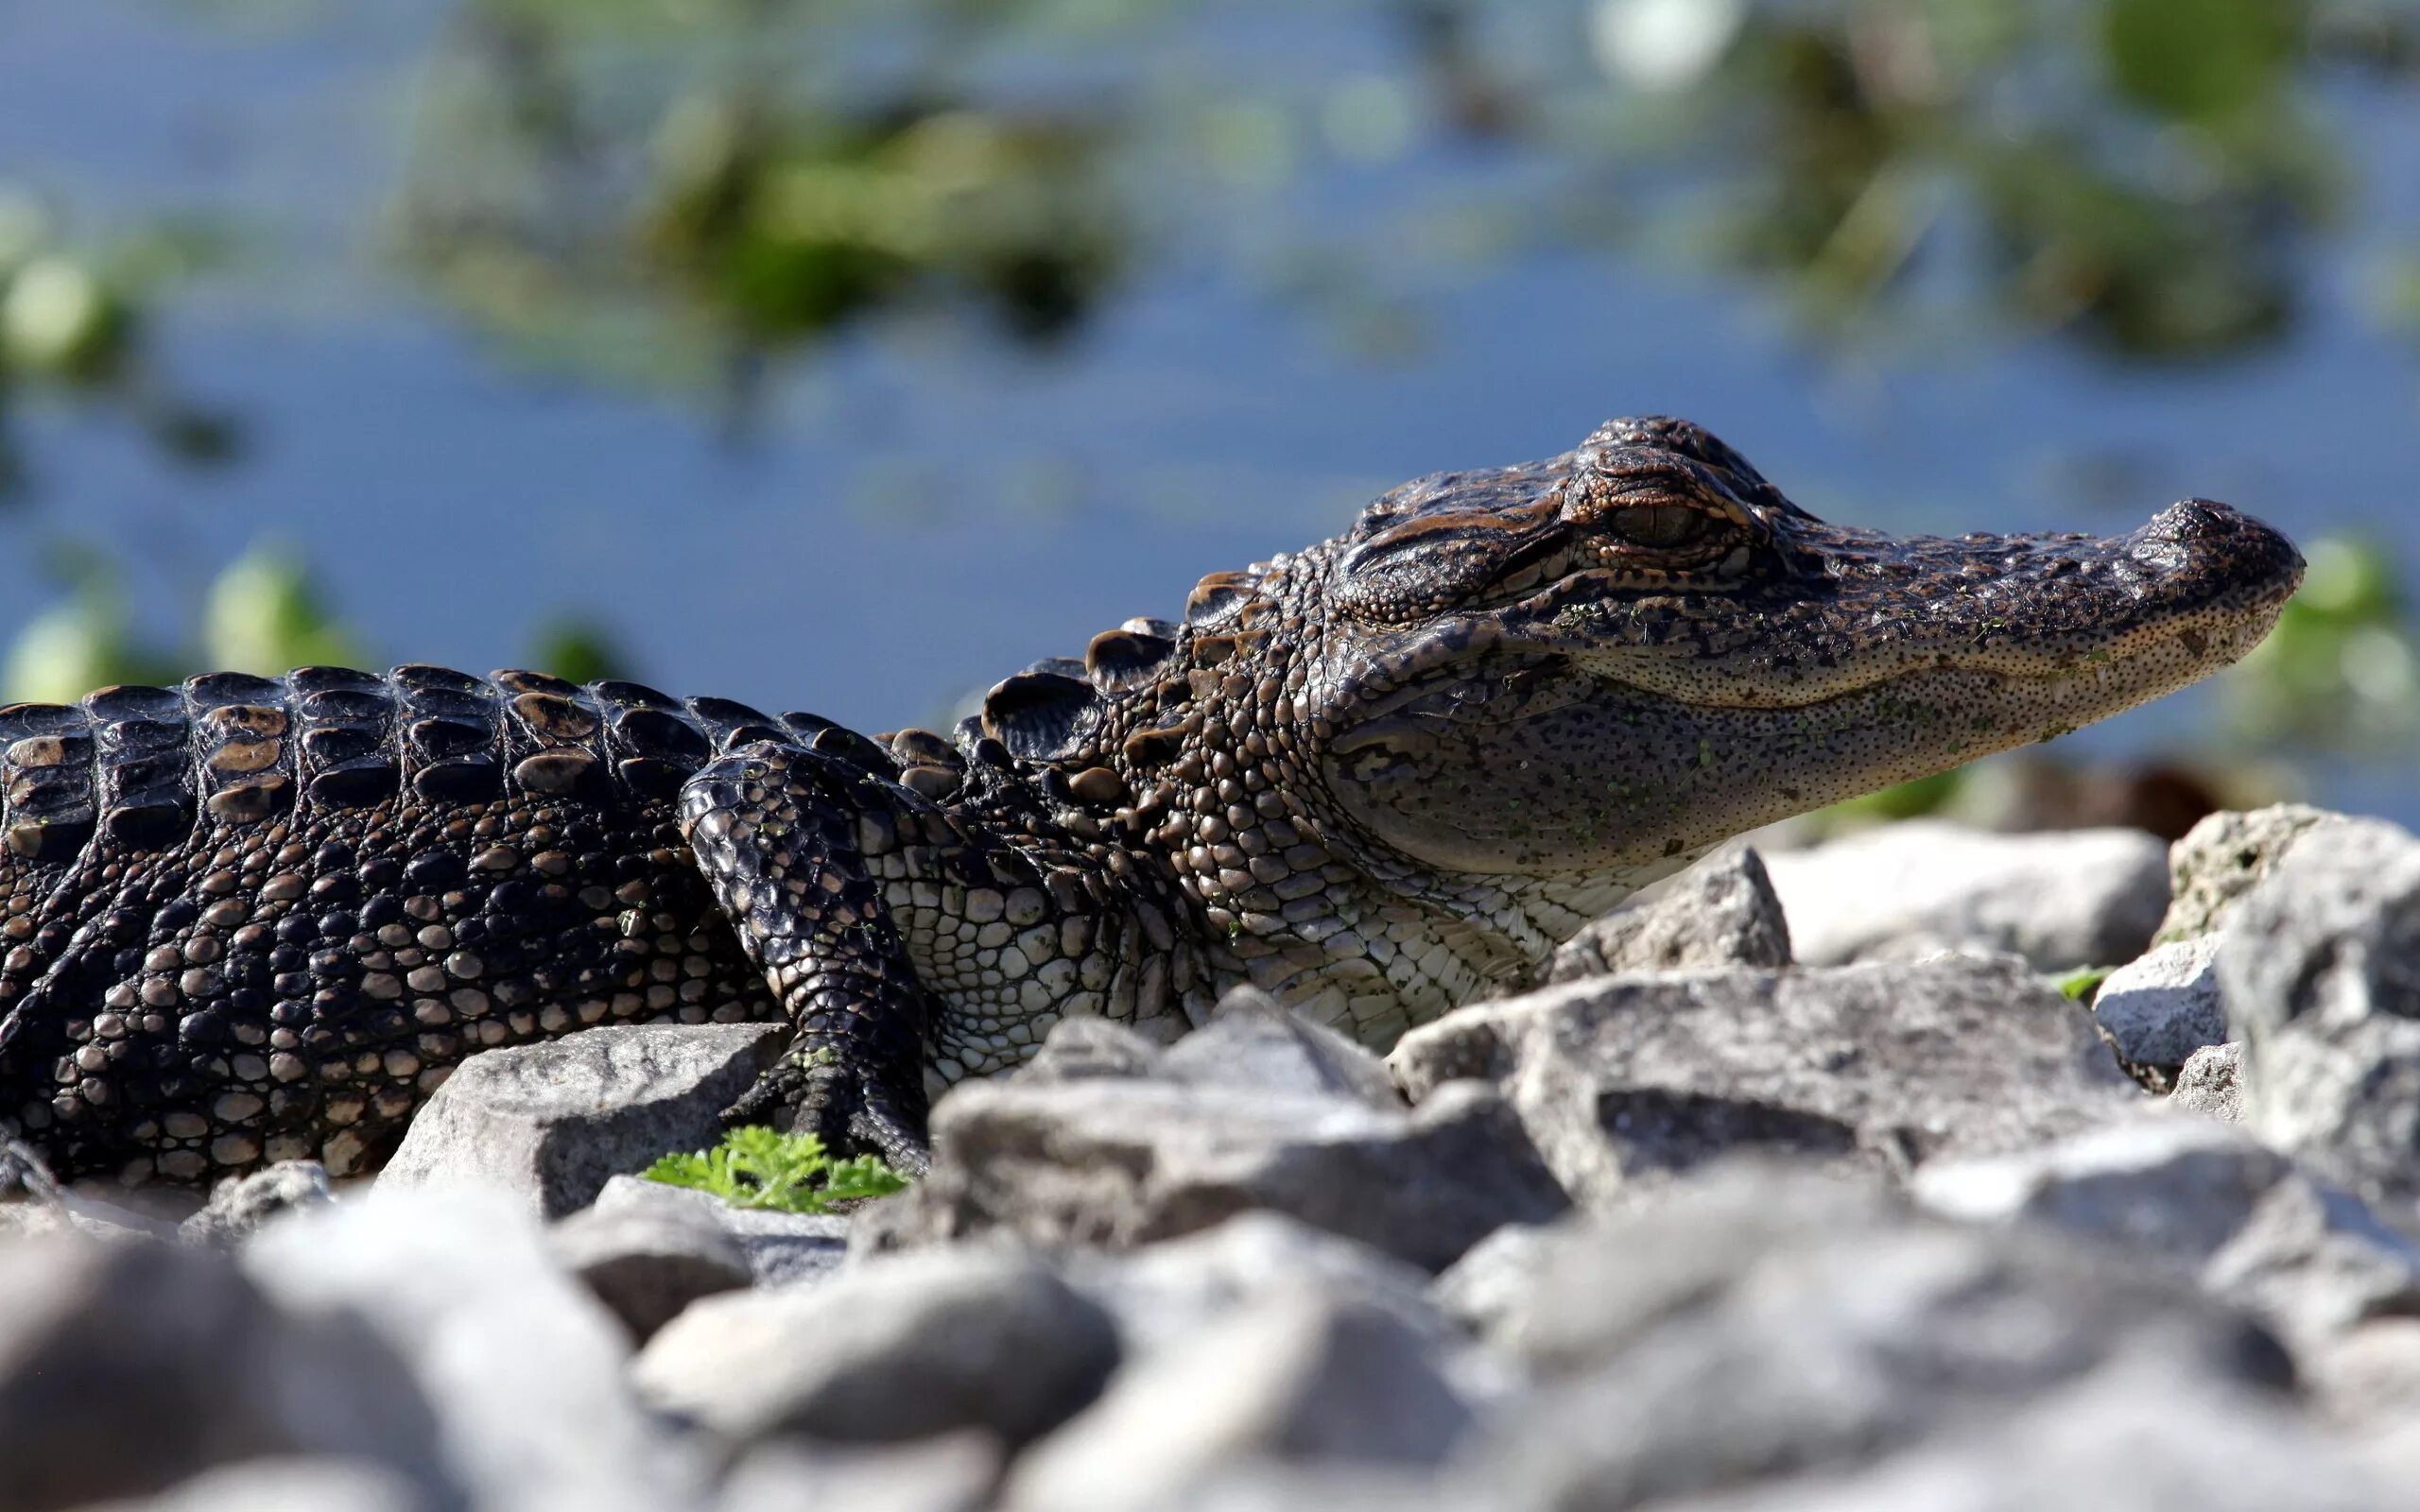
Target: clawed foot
[(853, 1113)]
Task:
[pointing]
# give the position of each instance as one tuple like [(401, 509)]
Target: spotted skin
[(248, 919)]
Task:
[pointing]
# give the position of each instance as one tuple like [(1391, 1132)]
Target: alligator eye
[(1659, 527)]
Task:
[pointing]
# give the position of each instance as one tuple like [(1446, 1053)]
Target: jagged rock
[(522, 1365), (2211, 1083), (1122, 1161), (1721, 913), (126, 1368), (2156, 1012), (240, 1205), (1300, 1375), (1167, 1292), (552, 1122), (1484, 1287), (1253, 1044), (289, 1485), (949, 1473), (1085, 1048), (2209, 1200), (2320, 969), (2224, 857), (779, 1248), (1763, 1322), (647, 1261), (896, 1349), (1629, 1078), (2145, 1437), (2066, 900)]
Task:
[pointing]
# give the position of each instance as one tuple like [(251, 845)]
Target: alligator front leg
[(775, 833)]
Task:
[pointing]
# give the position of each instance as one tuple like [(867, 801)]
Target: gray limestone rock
[(288, 1484), (1300, 1375), (2320, 969), (2061, 899), (240, 1206), (778, 1248), (1722, 912), (2212, 1203), (2160, 1010), (2225, 856), (552, 1122), (2141, 1436), (523, 1367), (2211, 1083), (647, 1261), (896, 1349), (1763, 1323), (1252, 1043), (1630, 1079), (948, 1472), (1119, 1162), (128, 1367)]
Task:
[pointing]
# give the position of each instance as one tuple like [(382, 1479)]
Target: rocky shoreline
[(1802, 1186)]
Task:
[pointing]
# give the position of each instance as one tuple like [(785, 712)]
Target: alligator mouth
[(2193, 591)]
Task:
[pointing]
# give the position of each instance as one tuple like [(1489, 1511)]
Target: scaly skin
[(250, 920)]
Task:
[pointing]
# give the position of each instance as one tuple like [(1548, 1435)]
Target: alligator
[(248, 919)]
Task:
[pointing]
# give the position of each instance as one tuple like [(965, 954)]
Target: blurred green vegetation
[(73, 329), (262, 613)]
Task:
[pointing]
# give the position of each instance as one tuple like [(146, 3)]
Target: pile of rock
[(1703, 1224)]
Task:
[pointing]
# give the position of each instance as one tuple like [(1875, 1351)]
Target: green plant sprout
[(758, 1167)]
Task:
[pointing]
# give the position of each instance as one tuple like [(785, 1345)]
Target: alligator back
[(249, 919)]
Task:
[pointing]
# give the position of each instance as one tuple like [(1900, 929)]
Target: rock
[(288, 1486), (779, 1248), (2320, 969), (647, 1261), (2211, 1083), (1762, 1322), (2368, 1380), (1630, 1078), (1168, 1292), (2159, 1011), (1486, 1286), (951, 1473), (897, 1349), (1721, 913), (57, 1210), (1120, 1162), (551, 1122), (1086, 1048), (1299, 1376), (1252, 1043), (126, 1368), (240, 1205), (2210, 1201), (523, 1366), (2224, 857), (2073, 898), (2144, 1436)]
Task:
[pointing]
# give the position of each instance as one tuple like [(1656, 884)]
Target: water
[(917, 510)]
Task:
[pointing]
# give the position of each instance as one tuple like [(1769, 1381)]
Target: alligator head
[(1430, 748), (1641, 647)]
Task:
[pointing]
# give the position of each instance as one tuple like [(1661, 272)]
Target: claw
[(851, 1114)]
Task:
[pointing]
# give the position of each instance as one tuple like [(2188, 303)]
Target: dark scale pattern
[(249, 919)]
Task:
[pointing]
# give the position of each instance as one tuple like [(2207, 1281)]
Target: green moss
[(790, 1173)]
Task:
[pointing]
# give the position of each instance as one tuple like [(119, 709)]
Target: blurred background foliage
[(700, 204)]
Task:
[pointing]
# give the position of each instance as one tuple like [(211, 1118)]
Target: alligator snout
[(2223, 539)]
